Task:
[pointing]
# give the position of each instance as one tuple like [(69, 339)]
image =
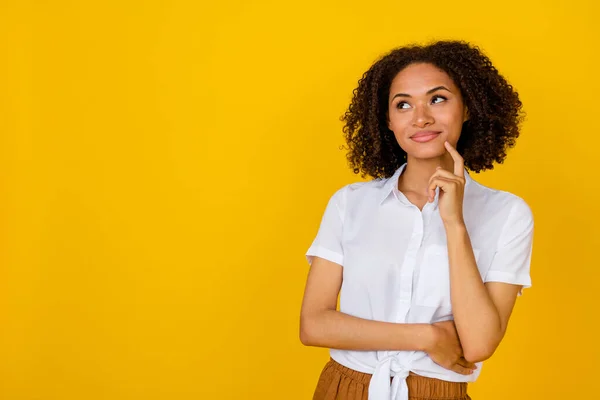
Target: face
[(425, 108)]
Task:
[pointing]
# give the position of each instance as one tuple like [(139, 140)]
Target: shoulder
[(360, 191), (500, 202), (356, 195)]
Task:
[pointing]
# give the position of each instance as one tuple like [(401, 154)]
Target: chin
[(426, 150)]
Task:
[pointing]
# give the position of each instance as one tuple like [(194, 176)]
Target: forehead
[(417, 79)]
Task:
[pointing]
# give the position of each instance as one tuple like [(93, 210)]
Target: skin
[(414, 107), (481, 311)]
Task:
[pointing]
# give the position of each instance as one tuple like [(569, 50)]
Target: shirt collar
[(388, 187), (392, 182)]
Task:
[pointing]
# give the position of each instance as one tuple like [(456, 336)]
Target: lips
[(425, 136)]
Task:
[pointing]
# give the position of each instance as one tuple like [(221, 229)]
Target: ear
[(466, 115)]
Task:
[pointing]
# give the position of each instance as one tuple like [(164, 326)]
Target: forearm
[(337, 330), (475, 315)]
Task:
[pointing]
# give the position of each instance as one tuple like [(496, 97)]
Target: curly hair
[(494, 109)]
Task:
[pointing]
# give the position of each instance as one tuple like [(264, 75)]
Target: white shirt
[(395, 265)]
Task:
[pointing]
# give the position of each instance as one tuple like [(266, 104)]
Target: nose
[(422, 117)]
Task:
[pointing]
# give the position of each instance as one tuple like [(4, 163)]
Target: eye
[(438, 97), (401, 105)]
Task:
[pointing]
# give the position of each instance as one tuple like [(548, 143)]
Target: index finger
[(459, 164)]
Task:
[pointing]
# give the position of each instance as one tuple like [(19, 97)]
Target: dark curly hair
[(494, 109)]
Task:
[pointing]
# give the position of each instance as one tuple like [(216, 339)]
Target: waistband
[(418, 386)]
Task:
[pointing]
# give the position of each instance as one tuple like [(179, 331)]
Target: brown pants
[(341, 383)]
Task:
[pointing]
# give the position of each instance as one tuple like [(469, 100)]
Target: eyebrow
[(428, 92)]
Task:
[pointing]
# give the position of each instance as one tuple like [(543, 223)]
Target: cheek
[(458, 122), (401, 139), (452, 119), (398, 121)]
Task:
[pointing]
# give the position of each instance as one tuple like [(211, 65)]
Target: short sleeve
[(328, 242), (511, 261)]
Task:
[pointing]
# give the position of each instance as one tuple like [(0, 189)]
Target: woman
[(428, 262)]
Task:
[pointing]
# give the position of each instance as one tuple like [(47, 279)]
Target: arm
[(322, 325), (481, 311)]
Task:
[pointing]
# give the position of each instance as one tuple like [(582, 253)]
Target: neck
[(416, 174)]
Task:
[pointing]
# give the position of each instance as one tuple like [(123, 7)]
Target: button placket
[(407, 274)]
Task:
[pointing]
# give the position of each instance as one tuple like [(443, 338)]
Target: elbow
[(482, 347), (478, 353), (313, 331), (307, 336)]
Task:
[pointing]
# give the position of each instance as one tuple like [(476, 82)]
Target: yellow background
[(164, 167)]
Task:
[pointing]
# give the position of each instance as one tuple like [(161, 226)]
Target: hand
[(452, 189), (445, 349)]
